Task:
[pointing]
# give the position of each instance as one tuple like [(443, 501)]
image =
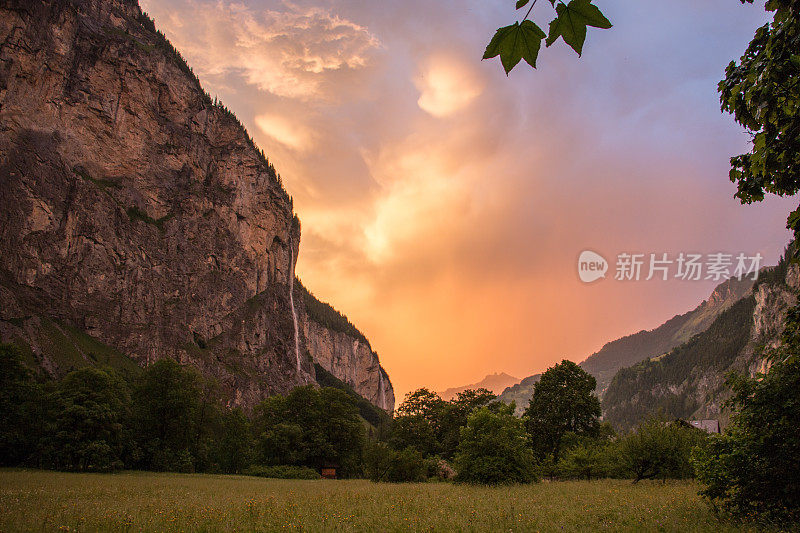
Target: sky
[(444, 205)]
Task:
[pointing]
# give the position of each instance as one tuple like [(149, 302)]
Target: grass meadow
[(139, 501)]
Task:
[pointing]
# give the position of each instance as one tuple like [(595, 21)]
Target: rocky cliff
[(138, 213), (689, 381), (333, 342), (351, 360)]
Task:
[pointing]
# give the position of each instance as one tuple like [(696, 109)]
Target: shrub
[(585, 460), (752, 469), (407, 466), (659, 449), (382, 463), (494, 449)]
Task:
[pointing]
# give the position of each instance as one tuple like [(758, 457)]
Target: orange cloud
[(447, 84), (286, 52), (444, 205), (288, 132)]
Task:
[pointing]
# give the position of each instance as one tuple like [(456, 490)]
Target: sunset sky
[(444, 205)]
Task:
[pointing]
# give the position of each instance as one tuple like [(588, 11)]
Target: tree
[(523, 39), (235, 443), (21, 399), (659, 449), (87, 414), (422, 402), (433, 426), (752, 468), (563, 401), (382, 463), (762, 92), (454, 416), (586, 459), (166, 416), (418, 423), (589, 457), (494, 449), (310, 427)]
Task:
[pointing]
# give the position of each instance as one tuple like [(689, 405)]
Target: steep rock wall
[(349, 359), (134, 208)]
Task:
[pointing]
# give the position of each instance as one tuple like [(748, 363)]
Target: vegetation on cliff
[(672, 383), (325, 315), (377, 417)]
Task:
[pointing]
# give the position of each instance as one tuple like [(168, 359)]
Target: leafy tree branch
[(523, 39)]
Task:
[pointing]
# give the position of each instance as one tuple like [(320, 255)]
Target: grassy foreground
[(137, 501)]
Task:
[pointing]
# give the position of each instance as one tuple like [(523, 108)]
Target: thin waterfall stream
[(383, 391), (291, 302)]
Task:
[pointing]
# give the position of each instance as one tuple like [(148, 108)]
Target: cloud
[(447, 85), (444, 204), (288, 132), (287, 51)]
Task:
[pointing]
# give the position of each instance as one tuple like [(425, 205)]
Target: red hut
[(328, 471)]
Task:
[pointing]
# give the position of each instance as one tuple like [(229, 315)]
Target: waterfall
[(291, 302), (383, 391)]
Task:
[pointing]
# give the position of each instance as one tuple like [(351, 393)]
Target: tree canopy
[(310, 427), (762, 92), (563, 402), (494, 449)]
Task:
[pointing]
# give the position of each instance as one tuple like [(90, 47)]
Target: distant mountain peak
[(496, 383)]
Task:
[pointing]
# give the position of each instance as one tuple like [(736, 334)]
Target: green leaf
[(493, 48), (515, 43), (572, 20), (522, 3), (590, 12)]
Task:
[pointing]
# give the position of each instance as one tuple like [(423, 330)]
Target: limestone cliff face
[(351, 360), (135, 209)]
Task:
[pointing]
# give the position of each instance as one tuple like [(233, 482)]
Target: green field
[(48, 501)]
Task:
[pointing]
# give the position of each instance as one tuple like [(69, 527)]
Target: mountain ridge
[(496, 383), (636, 347)]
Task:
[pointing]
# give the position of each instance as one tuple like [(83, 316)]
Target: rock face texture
[(136, 210), (351, 360), (331, 341), (689, 381)]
